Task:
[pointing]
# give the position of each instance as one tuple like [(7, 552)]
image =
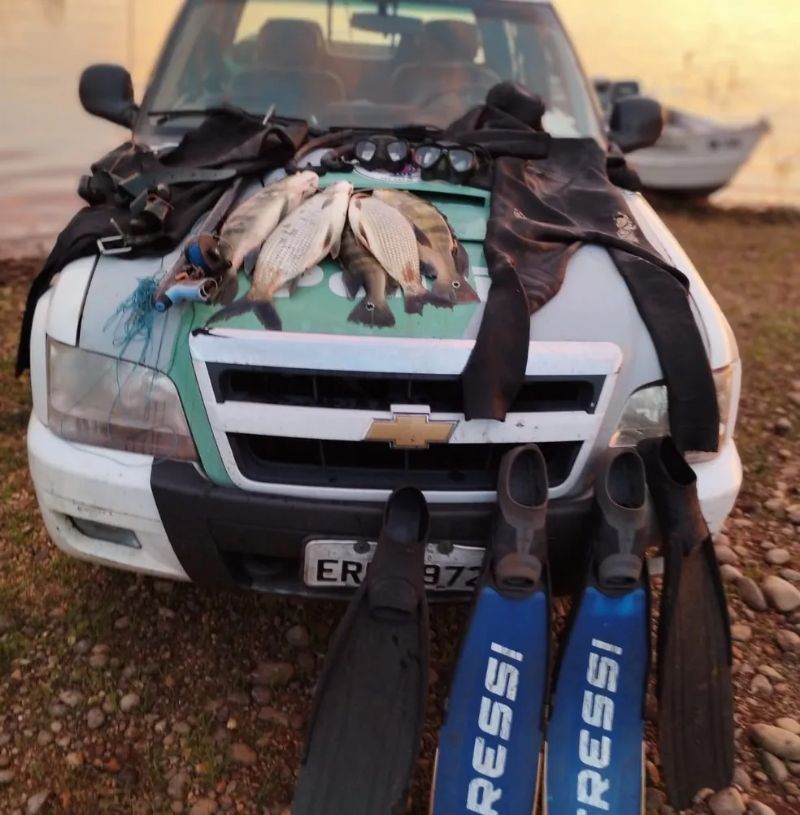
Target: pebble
[(781, 594), (98, 661), (82, 647), (273, 674), (71, 698), (761, 686), (726, 555), (782, 426), (778, 557), (74, 760), (176, 786), (729, 573), (6, 777), (95, 718), (297, 636), (261, 695), (788, 641), (654, 799), (792, 725), (36, 802), (757, 808), (6, 624), (269, 714), (203, 806), (777, 741), (769, 672), (242, 754), (306, 661), (751, 594), (122, 623), (774, 767), (726, 802), (741, 632), (742, 779), (793, 513), (128, 702), (792, 575)]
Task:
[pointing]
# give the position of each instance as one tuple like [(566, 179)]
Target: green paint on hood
[(319, 304)]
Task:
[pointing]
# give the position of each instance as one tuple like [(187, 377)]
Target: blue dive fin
[(593, 757), (490, 742)]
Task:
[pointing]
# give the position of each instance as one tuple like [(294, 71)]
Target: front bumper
[(188, 528)]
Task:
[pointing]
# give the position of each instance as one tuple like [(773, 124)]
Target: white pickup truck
[(237, 456)]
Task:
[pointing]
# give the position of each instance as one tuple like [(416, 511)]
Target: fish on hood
[(300, 241), (251, 223), (362, 269), (389, 237), (440, 254)]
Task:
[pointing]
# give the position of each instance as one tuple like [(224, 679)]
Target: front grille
[(376, 465), (374, 392)]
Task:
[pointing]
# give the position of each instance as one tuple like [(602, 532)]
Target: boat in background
[(695, 156)]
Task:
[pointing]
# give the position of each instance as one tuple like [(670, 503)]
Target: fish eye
[(456, 284), (370, 306)]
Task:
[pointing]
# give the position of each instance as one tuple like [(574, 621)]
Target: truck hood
[(593, 306)]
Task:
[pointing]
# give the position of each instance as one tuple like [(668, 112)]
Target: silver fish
[(389, 236), (362, 269), (300, 241), (249, 225), (439, 253)]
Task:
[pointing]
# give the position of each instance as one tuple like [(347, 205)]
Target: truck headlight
[(109, 402), (646, 413)]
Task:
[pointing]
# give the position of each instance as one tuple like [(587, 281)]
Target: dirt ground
[(121, 694)]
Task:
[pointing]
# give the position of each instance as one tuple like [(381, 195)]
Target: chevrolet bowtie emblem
[(411, 431)]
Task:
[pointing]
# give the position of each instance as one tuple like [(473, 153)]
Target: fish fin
[(427, 269), (415, 302), (249, 263), (391, 285), (226, 293), (452, 292), (374, 314), (235, 309), (336, 246), (352, 284), (421, 237), (461, 259), (267, 315), (325, 204)]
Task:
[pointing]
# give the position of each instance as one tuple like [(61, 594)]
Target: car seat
[(290, 57), (446, 68)]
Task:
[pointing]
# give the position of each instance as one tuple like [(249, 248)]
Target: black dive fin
[(596, 727), (491, 739), (369, 706), (693, 675), (263, 309)]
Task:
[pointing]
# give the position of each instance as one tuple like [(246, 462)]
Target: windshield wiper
[(167, 115)]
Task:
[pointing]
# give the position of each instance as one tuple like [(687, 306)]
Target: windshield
[(360, 64)]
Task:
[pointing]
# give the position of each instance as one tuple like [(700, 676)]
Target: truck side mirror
[(636, 122), (107, 91)]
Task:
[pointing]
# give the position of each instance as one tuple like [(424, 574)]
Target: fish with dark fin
[(362, 269), (441, 256), (389, 237), (302, 240)]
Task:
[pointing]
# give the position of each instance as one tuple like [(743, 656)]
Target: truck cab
[(230, 455)]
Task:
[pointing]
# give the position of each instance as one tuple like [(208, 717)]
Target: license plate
[(343, 563)]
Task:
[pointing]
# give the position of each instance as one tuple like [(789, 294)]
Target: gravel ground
[(121, 694)]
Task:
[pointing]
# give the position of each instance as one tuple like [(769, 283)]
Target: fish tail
[(263, 309), (235, 309), (226, 293), (368, 312), (415, 300), (454, 291), (267, 315)]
